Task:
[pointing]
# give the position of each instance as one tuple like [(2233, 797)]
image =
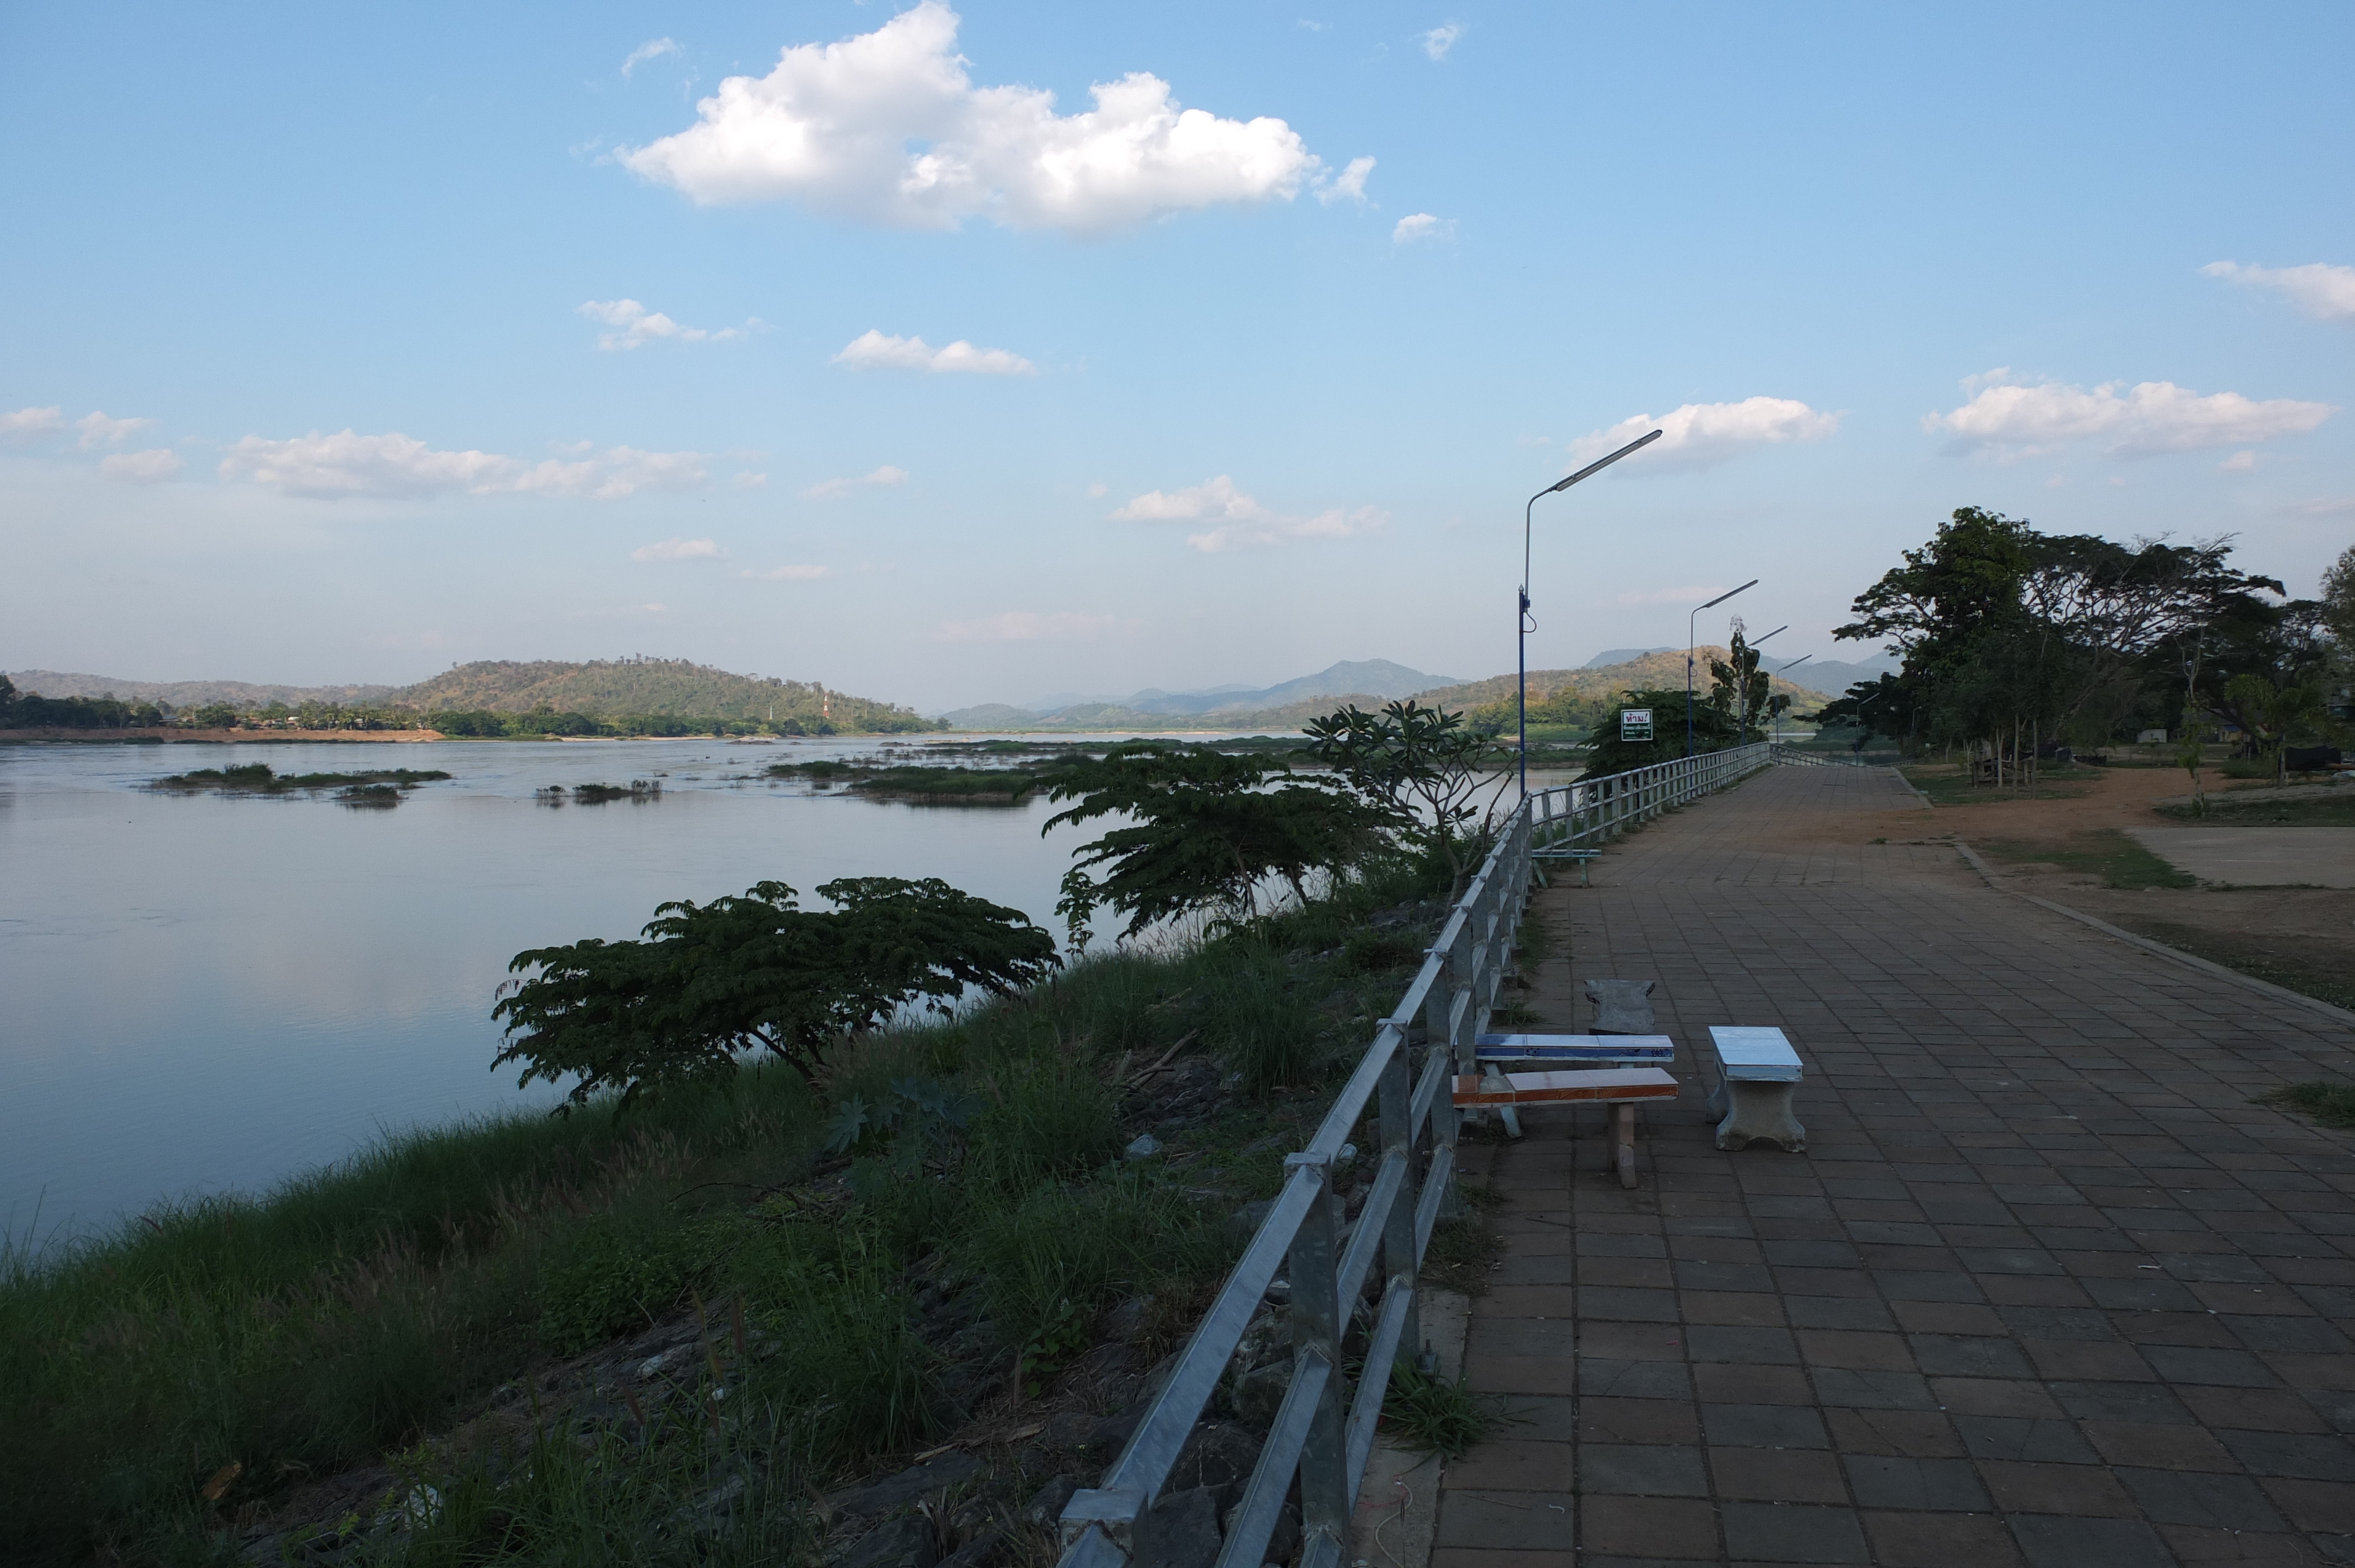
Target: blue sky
[(877, 368)]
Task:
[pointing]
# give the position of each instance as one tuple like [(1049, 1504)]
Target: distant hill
[(670, 688), (1664, 667), (602, 688), (194, 693), (1611, 656), (1368, 682)]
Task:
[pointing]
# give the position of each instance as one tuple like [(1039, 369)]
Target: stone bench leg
[(1753, 1112), (1623, 1143)]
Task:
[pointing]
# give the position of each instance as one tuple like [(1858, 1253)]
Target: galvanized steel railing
[(1324, 1429)]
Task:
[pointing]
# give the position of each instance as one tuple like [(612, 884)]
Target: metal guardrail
[(1324, 1429), (1792, 754)]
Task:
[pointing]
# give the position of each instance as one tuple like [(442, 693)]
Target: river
[(201, 994)]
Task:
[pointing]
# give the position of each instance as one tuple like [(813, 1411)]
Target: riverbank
[(171, 735), (963, 1235)]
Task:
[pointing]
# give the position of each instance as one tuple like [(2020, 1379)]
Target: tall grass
[(352, 1313)]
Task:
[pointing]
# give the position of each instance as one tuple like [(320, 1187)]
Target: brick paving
[(2047, 1290)]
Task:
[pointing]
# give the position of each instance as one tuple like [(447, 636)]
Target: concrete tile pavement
[(2048, 1289)]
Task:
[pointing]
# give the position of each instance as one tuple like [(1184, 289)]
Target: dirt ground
[(2303, 938)]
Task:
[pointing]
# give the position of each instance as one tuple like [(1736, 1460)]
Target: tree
[(712, 982), (1206, 831), (1425, 765), (2339, 600), (1713, 730)]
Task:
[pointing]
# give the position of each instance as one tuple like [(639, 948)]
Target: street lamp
[(1712, 604), (1770, 695), (1521, 619)]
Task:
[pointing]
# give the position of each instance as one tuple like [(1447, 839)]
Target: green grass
[(1948, 785), (256, 779), (2331, 1104), (358, 1311), (2222, 811), (1431, 1416), (2324, 982), (2117, 859)]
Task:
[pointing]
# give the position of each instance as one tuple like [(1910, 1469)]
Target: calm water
[(201, 994)]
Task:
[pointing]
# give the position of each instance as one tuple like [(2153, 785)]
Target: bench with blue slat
[(1581, 856), (1577, 1049), (1622, 1088)]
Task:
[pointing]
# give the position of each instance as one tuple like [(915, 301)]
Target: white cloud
[(347, 464), (1098, 491), (27, 423), (1242, 522), (2242, 462), (1440, 40), (786, 574), (1417, 225), (1028, 626), (96, 430), (679, 550), (882, 478), (633, 324), (872, 350), (150, 467), (1699, 435), (2327, 506), (749, 481), (652, 49), (1349, 185), (886, 128), (2151, 416), (2321, 291)]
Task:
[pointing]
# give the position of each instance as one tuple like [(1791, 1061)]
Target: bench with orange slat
[(1622, 1087)]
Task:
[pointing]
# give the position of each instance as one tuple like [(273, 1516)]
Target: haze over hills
[(1365, 680), (600, 688)]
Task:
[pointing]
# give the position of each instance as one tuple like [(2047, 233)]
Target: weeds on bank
[(2331, 1104), (1433, 1415), (358, 1310)]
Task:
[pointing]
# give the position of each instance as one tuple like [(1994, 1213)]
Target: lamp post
[(1770, 695), (1521, 618), (1689, 619)]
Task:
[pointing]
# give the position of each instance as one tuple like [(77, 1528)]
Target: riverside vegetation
[(658, 1328)]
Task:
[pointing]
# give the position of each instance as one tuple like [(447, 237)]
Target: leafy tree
[(713, 980), (1206, 831), (2339, 600), (1713, 730), (1424, 766)]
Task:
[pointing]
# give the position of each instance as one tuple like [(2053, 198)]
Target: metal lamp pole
[(1689, 619), (1770, 695), (1521, 618)]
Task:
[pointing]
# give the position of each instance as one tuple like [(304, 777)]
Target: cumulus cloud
[(1417, 225), (652, 49), (2242, 462), (1440, 40), (633, 325), (786, 574), (151, 467), (1242, 523), (2012, 420), (1700, 435), (679, 550), (1349, 185), (2321, 291), (98, 431), (1028, 626), (873, 350), (749, 481), (394, 465), (882, 478), (886, 128), (27, 423)]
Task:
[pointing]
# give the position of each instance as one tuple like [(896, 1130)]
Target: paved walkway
[(2046, 1289)]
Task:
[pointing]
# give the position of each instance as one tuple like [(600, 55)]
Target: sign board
[(1634, 724)]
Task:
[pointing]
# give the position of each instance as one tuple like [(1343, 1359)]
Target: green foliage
[(1207, 830), (617, 1272), (1713, 730), (741, 973), (2331, 1104), (1424, 768), (1041, 1118), (2119, 860), (256, 779)]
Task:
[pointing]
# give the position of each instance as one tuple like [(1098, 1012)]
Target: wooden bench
[(1757, 1072), (1624, 1088), (1576, 1050)]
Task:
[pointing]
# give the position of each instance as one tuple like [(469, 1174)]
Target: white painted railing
[(1324, 1430)]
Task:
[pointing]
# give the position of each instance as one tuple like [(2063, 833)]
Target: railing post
[(1316, 1326), (1397, 1102)]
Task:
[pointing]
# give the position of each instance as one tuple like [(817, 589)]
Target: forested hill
[(1606, 682), (675, 688)]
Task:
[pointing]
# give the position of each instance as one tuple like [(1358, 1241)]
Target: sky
[(962, 354)]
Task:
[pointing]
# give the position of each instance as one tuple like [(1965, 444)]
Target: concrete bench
[(1624, 1088), (1757, 1074)]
